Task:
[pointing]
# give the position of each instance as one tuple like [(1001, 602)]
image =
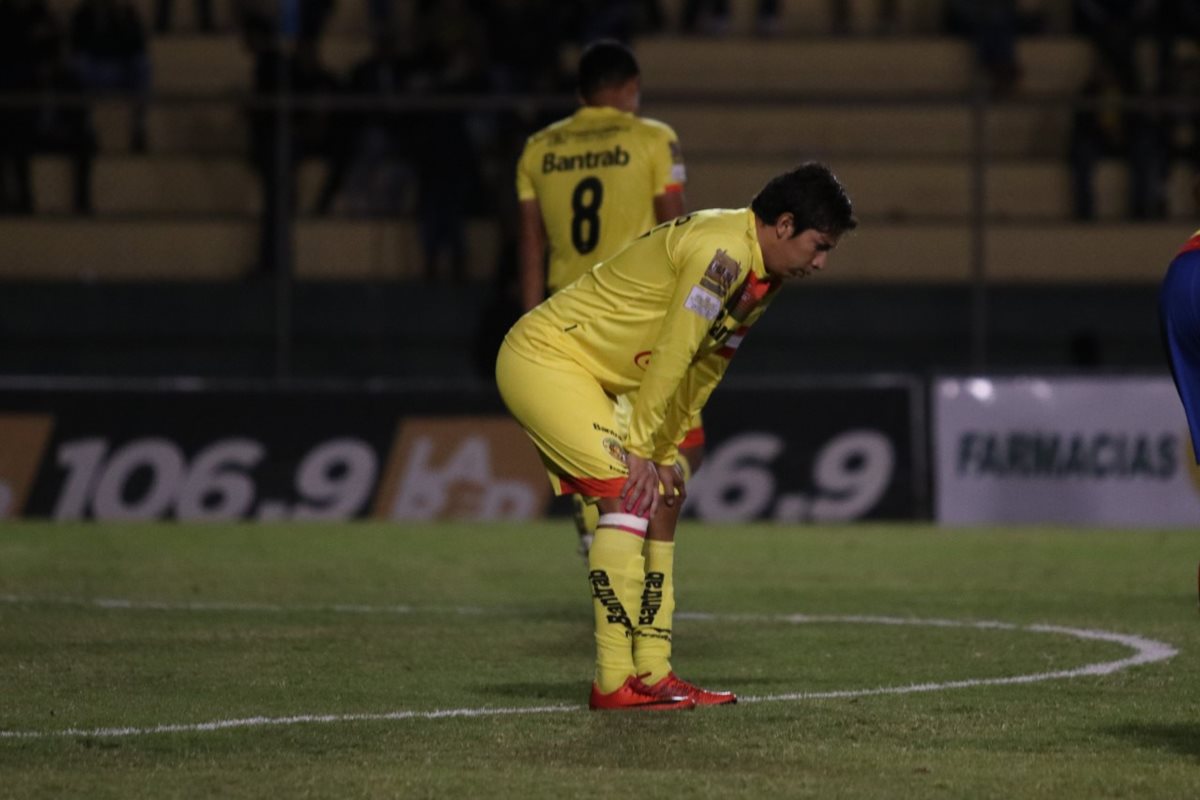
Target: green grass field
[(312, 661)]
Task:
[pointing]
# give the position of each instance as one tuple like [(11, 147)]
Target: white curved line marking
[(1145, 651)]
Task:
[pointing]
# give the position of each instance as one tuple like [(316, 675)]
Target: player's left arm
[(698, 385), (693, 393)]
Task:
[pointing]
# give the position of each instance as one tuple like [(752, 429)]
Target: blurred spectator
[(302, 20), (383, 16), (1106, 126), (453, 61), (712, 17), (29, 38), (164, 11), (885, 19), (993, 27), (64, 127), (525, 39), (650, 18), (1177, 20), (278, 142), (589, 20), (108, 46), (1114, 26), (1184, 121), (372, 150), (502, 309)]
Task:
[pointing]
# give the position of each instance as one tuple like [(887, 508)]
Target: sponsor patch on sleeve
[(721, 273), (703, 303)]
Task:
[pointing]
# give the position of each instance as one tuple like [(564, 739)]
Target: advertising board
[(1098, 451), (163, 450)]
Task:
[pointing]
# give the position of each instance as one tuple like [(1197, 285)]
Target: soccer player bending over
[(587, 186), (661, 318)]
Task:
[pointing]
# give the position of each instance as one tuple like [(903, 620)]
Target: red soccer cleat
[(636, 695), (674, 686)]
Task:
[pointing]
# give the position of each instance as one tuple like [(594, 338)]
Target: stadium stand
[(893, 115)]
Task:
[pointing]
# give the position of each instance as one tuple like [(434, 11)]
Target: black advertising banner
[(232, 453), (813, 450), (85, 450)]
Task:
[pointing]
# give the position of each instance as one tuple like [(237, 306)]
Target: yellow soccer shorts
[(570, 418)]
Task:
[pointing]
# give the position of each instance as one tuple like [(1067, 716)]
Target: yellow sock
[(616, 571), (652, 631)]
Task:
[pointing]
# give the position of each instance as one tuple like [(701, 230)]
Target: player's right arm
[(692, 308), (531, 254), (531, 232)]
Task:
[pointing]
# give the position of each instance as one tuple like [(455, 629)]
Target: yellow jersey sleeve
[(694, 391), (711, 267), (741, 311), (594, 176)]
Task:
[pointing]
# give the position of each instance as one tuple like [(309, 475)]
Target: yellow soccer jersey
[(662, 317), (595, 175)]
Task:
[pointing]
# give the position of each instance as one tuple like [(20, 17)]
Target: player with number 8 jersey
[(591, 183)]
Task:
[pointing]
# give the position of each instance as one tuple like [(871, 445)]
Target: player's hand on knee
[(639, 495), (673, 485)]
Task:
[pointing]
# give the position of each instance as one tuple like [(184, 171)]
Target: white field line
[(1145, 651)]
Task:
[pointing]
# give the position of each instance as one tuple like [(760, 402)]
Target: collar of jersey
[(601, 111)]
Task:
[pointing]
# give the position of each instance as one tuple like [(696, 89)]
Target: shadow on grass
[(576, 692), (569, 692), (1181, 737)]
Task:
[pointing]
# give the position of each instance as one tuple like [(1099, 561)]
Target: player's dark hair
[(605, 63), (814, 196)]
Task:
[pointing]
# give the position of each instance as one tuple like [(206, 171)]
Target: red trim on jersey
[(591, 487), (727, 352), (672, 188), (758, 287), (1192, 244), (693, 438)]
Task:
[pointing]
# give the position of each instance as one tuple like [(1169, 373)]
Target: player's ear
[(785, 225)]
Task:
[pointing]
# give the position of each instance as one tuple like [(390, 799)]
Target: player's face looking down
[(788, 254)]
